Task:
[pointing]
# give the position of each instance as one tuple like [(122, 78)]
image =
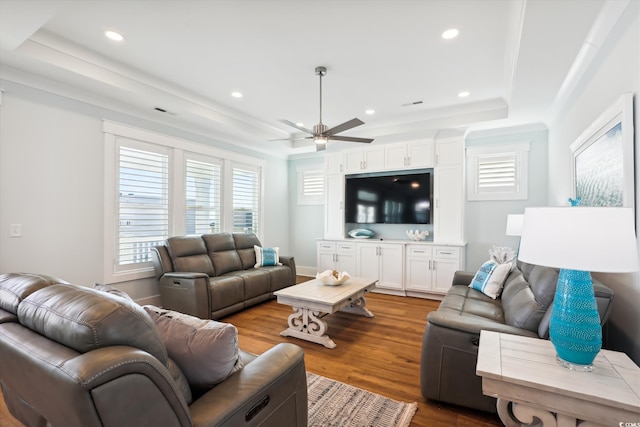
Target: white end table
[(523, 374)]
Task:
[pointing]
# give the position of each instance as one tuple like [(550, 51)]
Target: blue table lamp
[(578, 240)]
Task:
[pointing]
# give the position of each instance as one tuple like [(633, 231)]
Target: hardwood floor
[(379, 354)]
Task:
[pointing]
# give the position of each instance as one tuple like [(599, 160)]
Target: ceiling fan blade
[(344, 126), (350, 139), (287, 122)]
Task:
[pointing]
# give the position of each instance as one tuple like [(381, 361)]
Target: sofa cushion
[(244, 245), (189, 254), (205, 350), (526, 301), (222, 251), (14, 287), (266, 256), (85, 319)]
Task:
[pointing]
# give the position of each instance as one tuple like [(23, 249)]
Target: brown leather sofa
[(452, 336), (212, 275), (78, 357)]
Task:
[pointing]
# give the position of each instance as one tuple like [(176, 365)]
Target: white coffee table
[(312, 300), (523, 374)]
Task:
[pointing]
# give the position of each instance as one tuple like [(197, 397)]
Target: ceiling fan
[(321, 132)]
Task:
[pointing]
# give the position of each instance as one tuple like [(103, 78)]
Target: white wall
[(52, 182), (306, 221), (614, 71), (486, 221)]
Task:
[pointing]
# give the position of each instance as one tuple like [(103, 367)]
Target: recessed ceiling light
[(112, 35), (370, 112), (451, 33), (236, 94), (463, 94)]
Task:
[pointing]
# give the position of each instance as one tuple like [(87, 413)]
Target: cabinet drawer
[(346, 247), (419, 252), (451, 253), (327, 247)]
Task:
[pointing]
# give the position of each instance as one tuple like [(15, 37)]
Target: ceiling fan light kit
[(321, 132)]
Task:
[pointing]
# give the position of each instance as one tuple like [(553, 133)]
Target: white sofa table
[(523, 374)]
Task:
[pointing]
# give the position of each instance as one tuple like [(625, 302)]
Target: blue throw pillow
[(266, 256), (490, 278)]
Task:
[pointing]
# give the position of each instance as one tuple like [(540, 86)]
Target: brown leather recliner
[(76, 357)]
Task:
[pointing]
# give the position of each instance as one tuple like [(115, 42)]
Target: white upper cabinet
[(364, 160), (409, 155), (334, 163)]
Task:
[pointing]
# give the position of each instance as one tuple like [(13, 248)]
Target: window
[(310, 187), (157, 186), (203, 196), (246, 199), (143, 203), (497, 172)]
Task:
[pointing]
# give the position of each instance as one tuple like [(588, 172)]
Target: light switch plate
[(16, 230)]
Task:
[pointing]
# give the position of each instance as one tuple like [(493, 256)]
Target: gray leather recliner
[(71, 356), (213, 275), (452, 336)]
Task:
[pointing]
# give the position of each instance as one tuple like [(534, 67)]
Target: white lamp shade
[(514, 225), (598, 239)]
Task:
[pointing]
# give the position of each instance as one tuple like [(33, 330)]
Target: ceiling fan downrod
[(320, 128)]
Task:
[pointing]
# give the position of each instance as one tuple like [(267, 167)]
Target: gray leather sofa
[(451, 338), (212, 275), (77, 357)]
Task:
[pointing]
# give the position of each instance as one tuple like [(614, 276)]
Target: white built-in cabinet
[(368, 159), (381, 261), (339, 256), (401, 268), (409, 155), (430, 269)]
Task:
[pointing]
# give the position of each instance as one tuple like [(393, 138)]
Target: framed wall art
[(603, 166)]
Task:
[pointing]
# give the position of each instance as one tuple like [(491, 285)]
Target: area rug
[(332, 403)]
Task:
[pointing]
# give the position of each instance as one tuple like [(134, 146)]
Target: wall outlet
[(16, 230)]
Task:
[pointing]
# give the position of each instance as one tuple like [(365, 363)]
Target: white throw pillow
[(267, 256)]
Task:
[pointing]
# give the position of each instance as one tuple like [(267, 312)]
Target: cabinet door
[(391, 266), (346, 255), (373, 158), (418, 268), (325, 256), (449, 152), (395, 157), (367, 260), (333, 163), (443, 273), (420, 154), (334, 206), (448, 211), (353, 161)]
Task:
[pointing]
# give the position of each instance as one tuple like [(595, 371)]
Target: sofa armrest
[(290, 262), (270, 391), (187, 293), (462, 278)]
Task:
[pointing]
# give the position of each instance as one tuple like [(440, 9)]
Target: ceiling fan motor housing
[(320, 129)]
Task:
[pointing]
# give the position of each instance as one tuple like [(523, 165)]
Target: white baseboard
[(306, 271)]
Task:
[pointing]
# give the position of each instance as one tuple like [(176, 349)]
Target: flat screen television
[(400, 197)]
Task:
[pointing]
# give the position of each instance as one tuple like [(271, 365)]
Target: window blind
[(497, 173), (310, 187), (246, 199), (203, 196), (143, 204)]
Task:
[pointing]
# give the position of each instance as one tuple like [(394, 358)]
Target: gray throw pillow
[(205, 350)]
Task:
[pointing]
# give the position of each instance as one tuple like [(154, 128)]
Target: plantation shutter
[(497, 173), (310, 187), (203, 196), (143, 204), (246, 199)]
